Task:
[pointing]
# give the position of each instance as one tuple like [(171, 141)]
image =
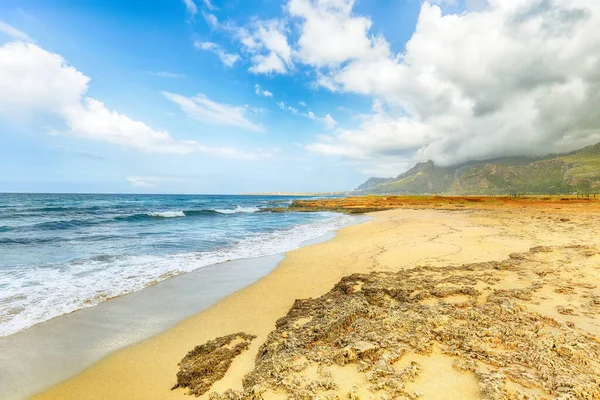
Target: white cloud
[(264, 42), (518, 77), (13, 32), (92, 120), (166, 74), (303, 104), (208, 4), (284, 106), (444, 2), (201, 108), (191, 7), (330, 33), (327, 120), (35, 81), (261, 92), (228, 59), (380, 137), (141, 182), (211, 20), (267, 44)]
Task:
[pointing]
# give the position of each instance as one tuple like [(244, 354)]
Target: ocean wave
[(193, 213), (65, 224), (35, 294), (52, 209), (27, 241), (238, 209), (167, 214), (59, 209)]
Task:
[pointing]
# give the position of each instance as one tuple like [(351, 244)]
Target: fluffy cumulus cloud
[(38, 82), (33, 78), (496, 78), (502, 78), (377, 145), (203, 109), (329, 33)]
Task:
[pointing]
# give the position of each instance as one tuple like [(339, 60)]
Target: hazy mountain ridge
[(578, 171)]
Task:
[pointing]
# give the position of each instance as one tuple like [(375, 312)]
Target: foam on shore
[(37, 294)]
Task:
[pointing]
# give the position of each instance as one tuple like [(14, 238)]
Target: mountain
[(578, 171), (372, 182)]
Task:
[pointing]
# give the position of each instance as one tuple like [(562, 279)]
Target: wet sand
[(50, 352), (395, 240)]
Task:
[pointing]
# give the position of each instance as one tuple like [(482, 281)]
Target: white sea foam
[(31, 295), (238, 209), (167, 214)]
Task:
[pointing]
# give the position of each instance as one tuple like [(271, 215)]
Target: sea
[(64, 252)]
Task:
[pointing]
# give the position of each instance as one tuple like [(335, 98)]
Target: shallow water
[(47, 353), (64, 252)]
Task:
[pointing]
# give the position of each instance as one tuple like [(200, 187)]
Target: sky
[(234, 96)]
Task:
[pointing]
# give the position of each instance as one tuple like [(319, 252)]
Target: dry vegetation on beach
[(436, 298), (364, 204)]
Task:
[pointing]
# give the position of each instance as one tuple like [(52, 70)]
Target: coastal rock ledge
[(208, 363), (370, 337)]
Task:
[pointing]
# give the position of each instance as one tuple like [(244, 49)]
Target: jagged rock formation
[(482, 316), (578, 171), (209, 362)]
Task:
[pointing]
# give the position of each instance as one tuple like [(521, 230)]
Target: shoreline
[(47, 282), (77, 340), (394, 240)]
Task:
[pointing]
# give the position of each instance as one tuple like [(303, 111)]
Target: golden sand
[(393, 241)]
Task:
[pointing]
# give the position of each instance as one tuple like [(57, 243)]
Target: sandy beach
[(300, 200), (395, 241)]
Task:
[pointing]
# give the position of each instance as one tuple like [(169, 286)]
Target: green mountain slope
[(578, 171)]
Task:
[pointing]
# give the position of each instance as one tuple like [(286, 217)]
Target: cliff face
[(578, 171)]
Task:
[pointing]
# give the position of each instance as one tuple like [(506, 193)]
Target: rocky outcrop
[(209, 362), (373, 321)]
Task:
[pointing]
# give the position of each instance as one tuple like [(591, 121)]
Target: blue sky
[(230, 96)]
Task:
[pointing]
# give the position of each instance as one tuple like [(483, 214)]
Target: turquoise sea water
[(63, 252)]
